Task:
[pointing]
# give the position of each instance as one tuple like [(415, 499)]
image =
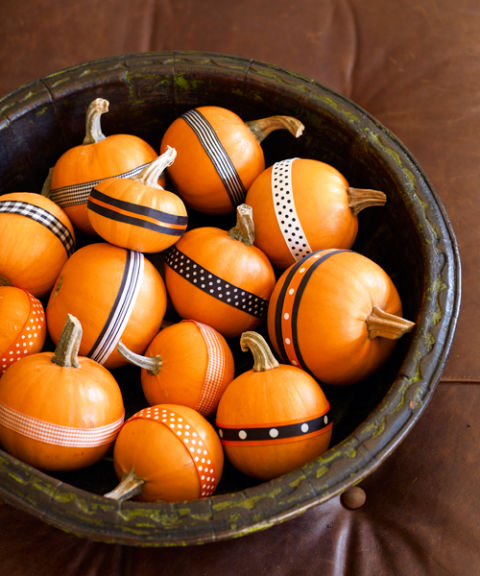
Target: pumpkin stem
[(130, 485), (93, 129), (244, 229), (263, 358), (381, 324), (152, 364), (151, 173), (47, 185), (66, 352), (361, 198), (262, 127)]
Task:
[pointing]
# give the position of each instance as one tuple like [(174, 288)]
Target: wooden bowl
[(410, 237)]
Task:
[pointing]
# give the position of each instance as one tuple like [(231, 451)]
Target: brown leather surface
[(414, 66)]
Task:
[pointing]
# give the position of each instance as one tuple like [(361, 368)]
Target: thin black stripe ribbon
[(263, 433), (43, 217), (122, 308), (218, 155)]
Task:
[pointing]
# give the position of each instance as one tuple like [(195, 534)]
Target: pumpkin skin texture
[(137, 213), (219, 280), (171, 452), (186, 363), (59, 416), (22, 325), (322, 315), (36, 238), (273, 418), (97, 158), (302, 205), (115, 293), (219, 155)]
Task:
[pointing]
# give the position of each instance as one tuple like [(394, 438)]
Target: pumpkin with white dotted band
[(301, 205)]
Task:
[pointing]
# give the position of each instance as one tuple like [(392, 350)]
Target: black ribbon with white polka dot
[(215, 286), (263, 433)]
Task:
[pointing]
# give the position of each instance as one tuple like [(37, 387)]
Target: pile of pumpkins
[(329, 314)]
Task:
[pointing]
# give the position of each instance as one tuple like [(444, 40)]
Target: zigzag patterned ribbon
[(57, 434), (78, 193), (122, 308), (43, 217), (218, 155)]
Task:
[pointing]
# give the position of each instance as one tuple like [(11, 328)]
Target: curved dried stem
[(93, 127), (152, 172), (263, 358), (262, 127), (381, 324), (152, 364), (66, 351), (244, 229), (361, 198), (130, 485)]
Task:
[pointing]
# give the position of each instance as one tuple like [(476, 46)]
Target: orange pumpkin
[(58, 410), (301, 205), (219, 278), (187, 363), (136, 212), (22, 325), (115, 293), (80, 168), (274, 417), (167, 452), (36, 238), (219, 155), (337, 314)]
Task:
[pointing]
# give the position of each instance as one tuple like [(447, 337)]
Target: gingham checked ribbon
[(122, 308), (57, 434), (217, 154), (43, 217), (215, 371), (79, 193)]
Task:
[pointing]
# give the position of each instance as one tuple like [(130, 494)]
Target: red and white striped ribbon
[(57, 434)]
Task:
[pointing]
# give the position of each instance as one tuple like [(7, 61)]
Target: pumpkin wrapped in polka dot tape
[(167, 452), (337, 314), (59, 410), (98, 157), (22, 325), (274, 417), (36, 238), (115, 293), (186, 363), (301, 205), (219, 155), (219, 277)]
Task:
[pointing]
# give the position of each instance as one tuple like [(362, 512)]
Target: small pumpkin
[(219, 277), (80, 168), (136, 212), (186, 363), (36, 238), (302, 205), (219, 155), (58, 410), (115, 293), (274, 417), (22, 325), (167, 452), (337, 314)]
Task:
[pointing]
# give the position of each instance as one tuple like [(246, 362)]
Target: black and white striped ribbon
[(78, 193), (43, 217), (121, 309), (217, 154)]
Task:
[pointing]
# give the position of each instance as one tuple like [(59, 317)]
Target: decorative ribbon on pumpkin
[(275, 433), (58, 434), (191, 440), (287, 305), (78, 193), (214, 285), (43, 217), (218, 155), (285, 211), (136, 215), (215, 370), (122, 308)]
